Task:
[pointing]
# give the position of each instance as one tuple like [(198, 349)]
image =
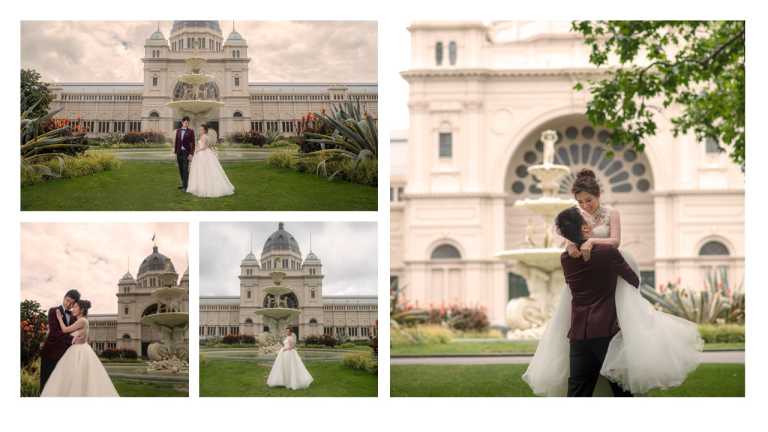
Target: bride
[(652, 350), (288, 370), (79, 372), (206, 176)]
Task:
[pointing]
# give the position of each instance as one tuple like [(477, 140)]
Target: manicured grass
[(153, 186), (130, 388), (220, 377), (505, 380), (499, 347)]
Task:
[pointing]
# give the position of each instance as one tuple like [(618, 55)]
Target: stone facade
[(124, 330), (345, 317), (480, 96), (104, 108)]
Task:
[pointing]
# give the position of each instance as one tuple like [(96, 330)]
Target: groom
[(57, 342), (593, 308), (184, 147)]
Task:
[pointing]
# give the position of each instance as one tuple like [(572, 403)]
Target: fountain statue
[(277, 306), (171, 318), (196, 94), (539, 263)]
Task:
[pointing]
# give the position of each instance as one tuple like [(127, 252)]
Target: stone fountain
[(277, 307), (171, 318), (196, 95), (539, 263)]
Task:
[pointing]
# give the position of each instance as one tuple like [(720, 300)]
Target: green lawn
[(219, 377), (504, 380), (153, 186), (130, 388), (499, 347)]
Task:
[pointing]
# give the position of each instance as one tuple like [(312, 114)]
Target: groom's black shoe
[(180, 187)]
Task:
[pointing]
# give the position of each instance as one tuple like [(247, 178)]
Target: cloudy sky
[(280, 51), (347, 250), (91, 258)]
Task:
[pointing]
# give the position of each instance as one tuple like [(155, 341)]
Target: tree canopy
[(34, 91), (695, 65)]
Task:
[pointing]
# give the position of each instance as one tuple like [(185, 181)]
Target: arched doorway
[(626, 180)]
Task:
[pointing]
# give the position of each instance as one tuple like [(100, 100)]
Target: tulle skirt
[(206, 176), (289, 371), (653, 349), (79, 373)]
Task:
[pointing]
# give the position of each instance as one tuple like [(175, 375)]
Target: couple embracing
[(68, 365), (604, 337), (199, 168)]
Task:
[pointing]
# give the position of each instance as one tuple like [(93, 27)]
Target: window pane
[(713, 248), (446, 144), (446, 252)]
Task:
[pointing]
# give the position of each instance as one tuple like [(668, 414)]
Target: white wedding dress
[(288, 370), (653, 350), (79, 372), (207, 178)]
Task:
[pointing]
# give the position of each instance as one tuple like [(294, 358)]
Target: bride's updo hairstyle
[(586, 181), (205, 127), (84, 306)]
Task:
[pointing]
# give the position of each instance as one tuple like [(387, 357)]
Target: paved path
[(707, 357), (229, 155)]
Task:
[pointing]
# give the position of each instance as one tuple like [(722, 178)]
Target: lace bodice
[(289, 342), (82, 331), (202, 143)]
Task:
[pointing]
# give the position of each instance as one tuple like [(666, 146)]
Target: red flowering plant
[(459, 317), (34, 328)]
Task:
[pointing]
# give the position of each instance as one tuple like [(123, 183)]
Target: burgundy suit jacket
[(593, 286), (57, 341), (188, 142)]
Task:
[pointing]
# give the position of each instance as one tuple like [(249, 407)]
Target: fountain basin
[(169, 320), (168, 294), (545, 259), (195, 79), (195, 106), (278, 313), (546, 206), (277, 290)]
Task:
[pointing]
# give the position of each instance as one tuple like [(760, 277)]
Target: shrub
[(247, 339), (129, 354), (282, 159), (71, 166), (34, 327), (722, 333), (346, 345), (144, 138), (30, 379), (118, 354), (420, 335), (363, 361), (230, 339), (250, 137)]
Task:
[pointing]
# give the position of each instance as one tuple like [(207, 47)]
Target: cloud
[(56, 257), (347, 250), (280, 51)]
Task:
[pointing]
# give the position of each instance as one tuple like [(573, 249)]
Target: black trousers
[(587, 358), (46, 369), (183, 163)]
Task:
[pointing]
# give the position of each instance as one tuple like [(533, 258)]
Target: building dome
[(281, 240), (234, 36), (195, 25), (156, 262), (127, 278), (157, 35), (311, 259), (250, 259)]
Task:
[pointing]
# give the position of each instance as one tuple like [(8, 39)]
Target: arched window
[(445, 251), (312, 322), (154, 114), (452, 53), (714, 248), (237, 114), (248, 321), (126, 336), (439, 53)]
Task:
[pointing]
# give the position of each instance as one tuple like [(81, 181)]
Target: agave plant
[(355, 137), (717, 301), (39, 149)]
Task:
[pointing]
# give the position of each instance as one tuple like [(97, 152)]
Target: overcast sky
[(91, 258), (280, 51), (347, 251)]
